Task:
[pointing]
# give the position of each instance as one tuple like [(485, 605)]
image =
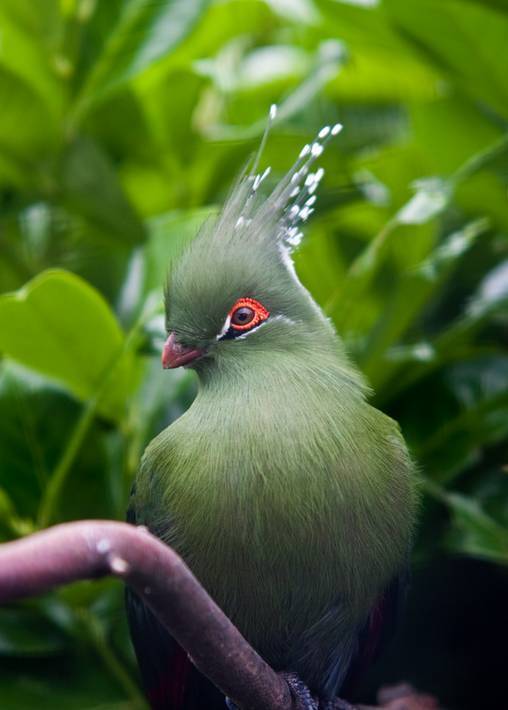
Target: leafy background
[(123, 124)]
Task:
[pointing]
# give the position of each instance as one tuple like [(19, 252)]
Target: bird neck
[(307, 364)]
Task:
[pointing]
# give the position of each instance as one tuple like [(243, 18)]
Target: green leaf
[(328, 59), (447, 32), (145, 32), (91, 188), (377, 75), (492, 293), (474, 532), (27, 129), (432, 196), (40, 19), (169, 233), (61, 327), (409, 298), (70, 681), (25, 54), (24, 633), (471, 415)]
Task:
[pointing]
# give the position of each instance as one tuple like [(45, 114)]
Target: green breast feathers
[(288, 495)]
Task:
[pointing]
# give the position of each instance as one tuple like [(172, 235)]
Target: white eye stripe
[(225, 328), (283, 319), (245, 334)]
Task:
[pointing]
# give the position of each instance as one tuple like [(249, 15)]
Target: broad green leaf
[(61, 327), (145, 32), (149, 268), (451, 131), (41, 19), (91, 189), (27, 129), (169, 233), (379, 75), (447, 32), (497, 4), (360, 25), (25, 55)]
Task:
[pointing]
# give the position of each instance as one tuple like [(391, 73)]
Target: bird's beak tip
[(176, 355)]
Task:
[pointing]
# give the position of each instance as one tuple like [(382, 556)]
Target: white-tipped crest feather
[(291, 201)]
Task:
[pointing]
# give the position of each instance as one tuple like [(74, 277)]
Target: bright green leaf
[(447, 32), (146, 31), (91, 189), (61, 327), (26, 55)]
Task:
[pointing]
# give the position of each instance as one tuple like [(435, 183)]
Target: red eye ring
[(260, 314)]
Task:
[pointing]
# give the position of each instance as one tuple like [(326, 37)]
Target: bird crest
[(290, 203)]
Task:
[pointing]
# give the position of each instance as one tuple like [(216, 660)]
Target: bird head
[(234, 290)]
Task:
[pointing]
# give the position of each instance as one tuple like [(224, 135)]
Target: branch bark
[(93, 549)]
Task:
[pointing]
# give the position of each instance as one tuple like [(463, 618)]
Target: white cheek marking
[(280, 318), (225, 328)]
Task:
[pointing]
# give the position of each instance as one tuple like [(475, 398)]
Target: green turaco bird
[(288, 495)]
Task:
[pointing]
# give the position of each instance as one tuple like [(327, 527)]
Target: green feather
[(289, 496)]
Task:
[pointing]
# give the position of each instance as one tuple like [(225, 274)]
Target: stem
[(481, 159), (360, 272), (57, 479), (63, 467)]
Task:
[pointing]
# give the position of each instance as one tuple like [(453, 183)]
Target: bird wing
[(164, 666), (170, 680), (378, 630)]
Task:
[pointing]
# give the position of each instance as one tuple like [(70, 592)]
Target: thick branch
[(92, 549), (83, 550)]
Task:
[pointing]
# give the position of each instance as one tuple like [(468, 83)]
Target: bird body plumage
[(288, 495)]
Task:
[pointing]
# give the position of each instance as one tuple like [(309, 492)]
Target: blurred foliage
[(123, 125)]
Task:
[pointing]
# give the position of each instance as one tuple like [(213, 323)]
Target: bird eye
[(247, 313), (242, 316)]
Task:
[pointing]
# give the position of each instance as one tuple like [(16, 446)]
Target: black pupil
[(242, 316)]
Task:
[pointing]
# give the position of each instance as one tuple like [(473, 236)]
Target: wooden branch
[(92, 549)]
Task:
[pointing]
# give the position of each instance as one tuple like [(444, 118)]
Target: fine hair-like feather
[(290, 497)]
